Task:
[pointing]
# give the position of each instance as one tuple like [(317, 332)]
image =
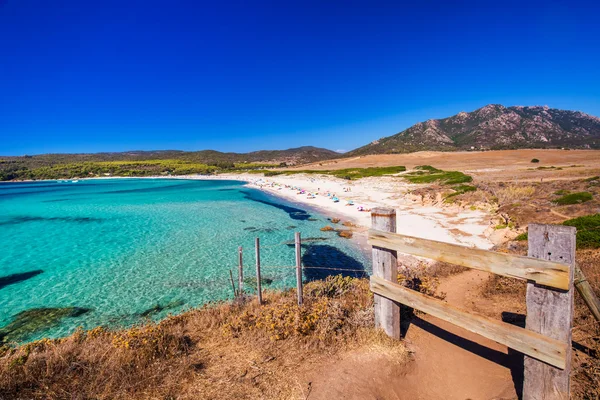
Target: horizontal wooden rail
[(542, 272), (527, 342)]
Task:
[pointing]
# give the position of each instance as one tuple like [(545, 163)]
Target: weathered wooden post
[(385, 265), (258, 287), (299, 267), (550, 311), (240, 272)]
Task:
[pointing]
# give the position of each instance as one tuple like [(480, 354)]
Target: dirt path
[(448, 362)]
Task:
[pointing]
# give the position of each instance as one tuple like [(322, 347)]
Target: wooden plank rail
[(527, 342), (542, 272)]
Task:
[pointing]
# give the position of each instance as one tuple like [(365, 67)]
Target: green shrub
[(588, 231), (574, 198), (535, 160), (522, 236), (562, 192), (429, 174)]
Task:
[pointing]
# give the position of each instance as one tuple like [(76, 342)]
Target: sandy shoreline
[(464, 227)]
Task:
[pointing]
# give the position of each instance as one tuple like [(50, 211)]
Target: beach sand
[(451, 225)]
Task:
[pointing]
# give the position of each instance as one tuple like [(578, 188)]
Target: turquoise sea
[(115, 252)]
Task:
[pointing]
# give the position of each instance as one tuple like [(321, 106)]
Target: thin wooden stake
[(258, 287), (587, 293), (232, 284), (550, 312), (299, 267), (385, 265), (240, 272)]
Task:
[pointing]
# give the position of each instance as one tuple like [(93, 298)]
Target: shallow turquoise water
[(123, 247)]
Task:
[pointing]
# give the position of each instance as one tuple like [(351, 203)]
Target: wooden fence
[(548, 270)]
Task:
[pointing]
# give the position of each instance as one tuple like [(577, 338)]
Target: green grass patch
[(588, 231), (429, 174), (535, 160), (574, 198), (347, 173), (562, 192), (460, 189), (522, 236)]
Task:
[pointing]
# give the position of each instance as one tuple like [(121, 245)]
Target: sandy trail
[(448, 363)]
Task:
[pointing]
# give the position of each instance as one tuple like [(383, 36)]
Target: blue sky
[(89, 76)]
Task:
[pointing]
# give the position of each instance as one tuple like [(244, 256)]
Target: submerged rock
[(250, 282), (292, 243), (16, 278), (158, 308), (34, 320)]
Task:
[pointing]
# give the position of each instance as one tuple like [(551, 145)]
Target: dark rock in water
[(255, 229), (34, 320), (291, 227), (243, 220), (250, 282), (292, 243), (20, 277), (312, 219), (294, 213), (158, 308), (26, 219)]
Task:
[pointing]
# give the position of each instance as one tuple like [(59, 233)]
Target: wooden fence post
[(258, 287), (299, 267), (550, 312), (240, 272), (385, 265)]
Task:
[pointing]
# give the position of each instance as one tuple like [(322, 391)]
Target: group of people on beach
[(310, 195)]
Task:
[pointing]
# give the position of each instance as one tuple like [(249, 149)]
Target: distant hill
[(298, 155), (143, 163), (494, 127)]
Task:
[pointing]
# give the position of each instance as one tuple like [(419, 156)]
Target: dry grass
[(222, 351)]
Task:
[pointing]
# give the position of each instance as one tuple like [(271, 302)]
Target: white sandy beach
[(464, 227)]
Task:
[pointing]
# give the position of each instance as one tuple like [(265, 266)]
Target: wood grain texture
[(385, 266), (549, 273), (587, 293), (531, 343), (550, 312)]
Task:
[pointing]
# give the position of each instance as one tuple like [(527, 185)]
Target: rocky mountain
[(494, 127)]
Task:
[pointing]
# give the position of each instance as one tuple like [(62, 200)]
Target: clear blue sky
[(88, 76)]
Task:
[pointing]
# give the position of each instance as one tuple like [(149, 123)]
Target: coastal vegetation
[(125, 168), (229, 350), (429, 174), (347, 173), (573, 198), (588, 231)]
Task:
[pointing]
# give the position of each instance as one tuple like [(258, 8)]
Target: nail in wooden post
[(258, 288), (385, 265), (240, 272), (550, 312), (298, 268)]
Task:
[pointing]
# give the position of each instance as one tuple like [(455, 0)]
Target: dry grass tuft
[(513, 194), (239, 350)]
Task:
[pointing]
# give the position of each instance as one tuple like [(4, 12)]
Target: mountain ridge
[(494, 127)]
